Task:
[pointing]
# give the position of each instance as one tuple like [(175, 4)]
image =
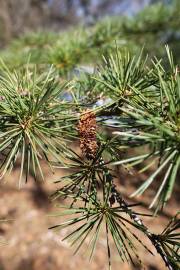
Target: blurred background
[(19, 16), (29, 245)]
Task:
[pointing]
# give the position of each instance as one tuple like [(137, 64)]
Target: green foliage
[(153, 18), (96, 211), (34, 120), (149, 105), (151, 27), (129, 104), (37, 123), (169, 241), (68, 51)]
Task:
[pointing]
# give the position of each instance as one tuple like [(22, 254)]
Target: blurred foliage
[(154, 26)]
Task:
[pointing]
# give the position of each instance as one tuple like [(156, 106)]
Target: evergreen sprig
[(34, 120), (127, 112), (109, 209), (147, 116)]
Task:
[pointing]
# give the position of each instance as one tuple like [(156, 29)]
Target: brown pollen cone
[(87, 131)]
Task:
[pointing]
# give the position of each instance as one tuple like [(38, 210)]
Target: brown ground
[(31, 246)]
